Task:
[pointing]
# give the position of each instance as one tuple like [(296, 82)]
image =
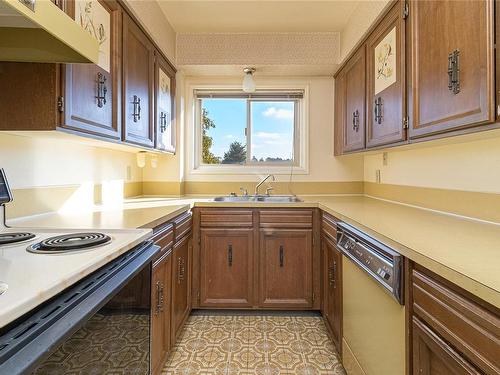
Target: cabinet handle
[(355, 120), (282, 256), (230, 255), (181, 270), (159, 298), (378, 110), (334, 273), (136, 112), (101, 90), (454, 71), (163, 122)]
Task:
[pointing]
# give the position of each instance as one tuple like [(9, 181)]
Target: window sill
[(247, 169)]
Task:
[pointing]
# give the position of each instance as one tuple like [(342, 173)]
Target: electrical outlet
[(384, 158), (129, 173), (377, 176)]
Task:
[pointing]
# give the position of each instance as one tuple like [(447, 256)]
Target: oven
[(99, 325), (373, 305)]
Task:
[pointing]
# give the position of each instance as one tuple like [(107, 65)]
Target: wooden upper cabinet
[(451, 83), (354, 115), (285, 268), (385, 63), (226, 267), (138, 77), (92, 92), (339, 114), (164, 108)]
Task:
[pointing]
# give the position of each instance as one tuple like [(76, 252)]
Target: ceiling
[(233, 16)]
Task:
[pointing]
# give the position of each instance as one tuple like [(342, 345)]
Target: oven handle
[(40, 334)]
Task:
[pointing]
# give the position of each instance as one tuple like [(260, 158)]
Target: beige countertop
[(464, 251)]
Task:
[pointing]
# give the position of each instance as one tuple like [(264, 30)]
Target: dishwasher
[(373, 305)]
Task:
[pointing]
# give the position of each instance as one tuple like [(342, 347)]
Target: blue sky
[(272, 126)]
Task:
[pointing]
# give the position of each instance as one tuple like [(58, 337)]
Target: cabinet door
[(180, 287), (451, 77), (138, 72), (164, 105), (333, 289), (158, 321), (339, 114), (385, 51), (226, 267), (433, 356), (354, 123), (92, 92), (285, 268)]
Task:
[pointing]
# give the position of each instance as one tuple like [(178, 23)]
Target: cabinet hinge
[(406, 10), (60, 104), (406, 121)]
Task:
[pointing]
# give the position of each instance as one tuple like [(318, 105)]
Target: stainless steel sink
[(259, 198)]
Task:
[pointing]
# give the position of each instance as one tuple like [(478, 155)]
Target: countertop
[(462, 250)]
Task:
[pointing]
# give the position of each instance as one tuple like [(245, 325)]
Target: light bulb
[(248, 82)]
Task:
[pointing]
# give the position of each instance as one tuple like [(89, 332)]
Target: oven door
[(100, 325)]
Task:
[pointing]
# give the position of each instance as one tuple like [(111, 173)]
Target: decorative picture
[(385, 62), (96, 20)]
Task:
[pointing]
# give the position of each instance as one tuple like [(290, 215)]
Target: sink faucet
[(261, 182)]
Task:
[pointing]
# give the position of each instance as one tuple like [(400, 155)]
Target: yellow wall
[(468, 166), (65, 174), (360, 20)]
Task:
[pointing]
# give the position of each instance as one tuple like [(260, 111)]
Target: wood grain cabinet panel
[(355, 97), (181, 296), (226, 267), (385, 63), (285, 268), (332, 289), (138, 74), (451, 65), (339, 114), (164, 105), (93, 94), (161, 314)]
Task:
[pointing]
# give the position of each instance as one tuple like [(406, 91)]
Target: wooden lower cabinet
[(433, 356), (226, 267), (161, 283), (332, 289), (285, 268), (181, 295), (452, 331)]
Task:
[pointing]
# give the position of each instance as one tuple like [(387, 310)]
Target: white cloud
[(266, 135), (279, 113), (229, 136)]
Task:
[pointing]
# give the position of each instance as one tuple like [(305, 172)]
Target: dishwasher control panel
[(379, 261)]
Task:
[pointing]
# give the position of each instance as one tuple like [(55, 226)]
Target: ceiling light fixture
[(248, 82)]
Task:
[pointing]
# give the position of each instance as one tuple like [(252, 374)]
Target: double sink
[(258, 198)]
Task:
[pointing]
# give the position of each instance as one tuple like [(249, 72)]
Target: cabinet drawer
[(183, 226), (163, 237), (468, 326), (225, 218), (329, 226), (286, 218)]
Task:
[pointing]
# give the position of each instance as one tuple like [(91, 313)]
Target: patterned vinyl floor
[(254, 344)]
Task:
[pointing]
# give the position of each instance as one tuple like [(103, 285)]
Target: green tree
[(207, 123), (236, 154)]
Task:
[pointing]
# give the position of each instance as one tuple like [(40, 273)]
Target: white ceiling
[(233, 16)]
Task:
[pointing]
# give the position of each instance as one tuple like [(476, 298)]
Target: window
[(248, 129)]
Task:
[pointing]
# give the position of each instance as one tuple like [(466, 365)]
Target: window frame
[(300, 136)]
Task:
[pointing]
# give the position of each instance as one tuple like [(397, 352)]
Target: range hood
[(38, 31)]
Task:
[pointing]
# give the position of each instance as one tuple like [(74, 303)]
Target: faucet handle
[(244, 191), (268, 190)]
